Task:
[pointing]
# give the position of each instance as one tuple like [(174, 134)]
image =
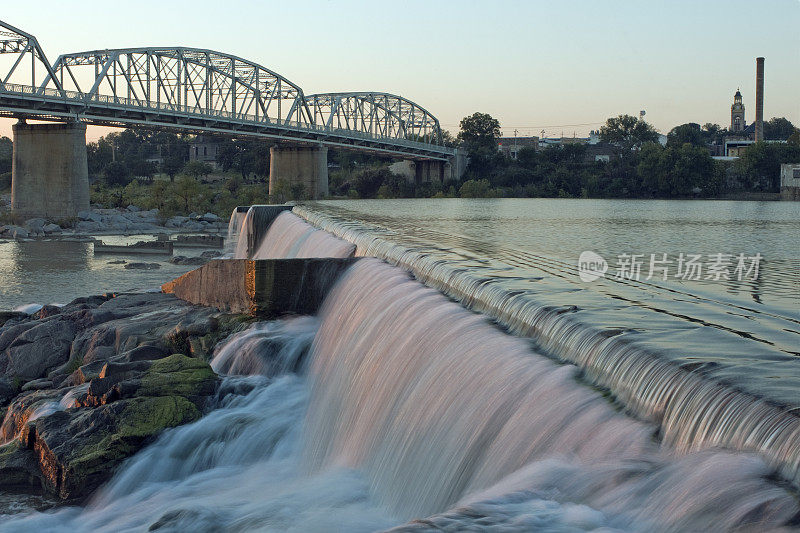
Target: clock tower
[(737, 113)]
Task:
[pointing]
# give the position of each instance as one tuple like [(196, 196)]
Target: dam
[(438, 387)]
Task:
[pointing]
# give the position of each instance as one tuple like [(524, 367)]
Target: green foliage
[(197, 169), (6, 153), (476, 189), (117, 174), (794, 138), (627, 132), (5, 181), (367, 182), (479, 130), (761, 163), (12, 219), (677, 170), (690, 133), (778, 129)]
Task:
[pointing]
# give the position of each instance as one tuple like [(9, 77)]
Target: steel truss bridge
[(196, 90)]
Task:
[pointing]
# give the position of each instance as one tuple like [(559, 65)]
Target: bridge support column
[(49, 176), (418, 172), (455, 166), (292, 167), (429, 172)]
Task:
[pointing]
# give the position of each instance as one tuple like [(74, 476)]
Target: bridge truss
[(199, 90)]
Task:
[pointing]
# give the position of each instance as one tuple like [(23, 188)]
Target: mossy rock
[(178, 375), (73, 465)]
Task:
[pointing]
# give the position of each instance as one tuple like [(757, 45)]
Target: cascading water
[(266, 348), (414, 408), (435, 406), (693, 411), (260, 233), (290, 236), (235, 228)]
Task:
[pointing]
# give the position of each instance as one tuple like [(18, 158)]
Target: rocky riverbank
[(114, 221), (85, 386)]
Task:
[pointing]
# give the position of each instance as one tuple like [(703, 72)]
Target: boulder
[(43, 347), (38, 384), (35, 225), (90, 216), (49, 229), (134, 209), (209, 217), (183, 260), (16, 232), (124, 409), (176, 221), (142, 266), (85, 226)]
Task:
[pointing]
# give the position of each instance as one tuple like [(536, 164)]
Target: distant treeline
[(637, 166)]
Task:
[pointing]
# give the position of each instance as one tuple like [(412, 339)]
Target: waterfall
[(436, 406), (235, 226), (693, 411), (272, 232), (266, 348), (290, 236), (398, 404)]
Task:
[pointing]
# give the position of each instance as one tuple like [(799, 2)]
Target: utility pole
[(515, 144)]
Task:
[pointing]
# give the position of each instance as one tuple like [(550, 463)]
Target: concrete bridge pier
[(294, 166), (49, 175)]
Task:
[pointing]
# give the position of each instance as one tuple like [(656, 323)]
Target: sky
[(560, 66)]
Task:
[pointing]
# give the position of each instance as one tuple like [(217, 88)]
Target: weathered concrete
[(50, 178), (290, 167), (263, 287), (418, 172)]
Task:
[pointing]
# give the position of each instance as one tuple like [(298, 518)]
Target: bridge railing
[(81, 99)]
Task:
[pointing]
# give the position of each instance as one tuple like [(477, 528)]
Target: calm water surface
[(58, 271)]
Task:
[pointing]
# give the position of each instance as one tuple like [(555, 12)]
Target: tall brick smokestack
[(759, 99)]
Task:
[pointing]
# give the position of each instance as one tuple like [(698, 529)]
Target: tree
[(690, 133), (117, 174), (479, 130), (6, 151), (627, 132), (778, 129), (476, 189), (190, 191), (171, 165), (761, 164), (367, 182), (479, 134), (197, 169)]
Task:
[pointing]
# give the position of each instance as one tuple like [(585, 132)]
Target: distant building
[(204, 149), (737, 113), (511, 146), (735, 146), (600, 152), (790, 181)]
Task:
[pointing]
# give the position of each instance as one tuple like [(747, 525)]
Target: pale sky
[(559, 66)]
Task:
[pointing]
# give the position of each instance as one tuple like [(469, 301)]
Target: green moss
[(141, 419), (178, 375), (74, 364)]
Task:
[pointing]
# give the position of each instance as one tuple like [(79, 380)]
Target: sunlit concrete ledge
[(261, 287)]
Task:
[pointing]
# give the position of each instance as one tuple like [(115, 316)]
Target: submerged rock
[(142, 266)]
